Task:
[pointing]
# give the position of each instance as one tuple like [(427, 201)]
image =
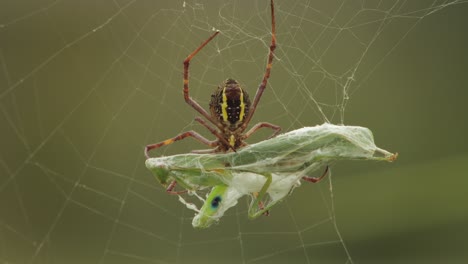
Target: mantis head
[(219, 200)]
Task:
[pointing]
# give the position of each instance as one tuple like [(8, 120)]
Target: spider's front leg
[(187, 97), (170, 188), (181, 136)]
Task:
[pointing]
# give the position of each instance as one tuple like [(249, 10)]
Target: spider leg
[(315, 179), (214, 132), (171, 187), (204, 151), (255, 128), (181, 136), (187, 98), (263, 84)]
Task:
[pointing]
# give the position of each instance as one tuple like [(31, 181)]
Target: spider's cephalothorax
[(230, 104)]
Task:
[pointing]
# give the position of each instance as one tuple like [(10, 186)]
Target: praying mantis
[(267, 171)]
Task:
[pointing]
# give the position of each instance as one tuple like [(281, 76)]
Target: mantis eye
[(215, 202)]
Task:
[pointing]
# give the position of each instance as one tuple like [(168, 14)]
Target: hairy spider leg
[(181, 136), (262, 86), (315, 179), (171, 187), (189, 99), (277, 129)]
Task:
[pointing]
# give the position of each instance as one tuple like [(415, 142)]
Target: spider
[(230, 108), (230, 112)]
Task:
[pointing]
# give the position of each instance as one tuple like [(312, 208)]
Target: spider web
[(86, 85)]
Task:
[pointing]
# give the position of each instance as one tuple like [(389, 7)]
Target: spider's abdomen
[(230, 104)]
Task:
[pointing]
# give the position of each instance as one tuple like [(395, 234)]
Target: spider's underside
[(229, 106)]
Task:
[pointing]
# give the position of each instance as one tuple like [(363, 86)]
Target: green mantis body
[(270, 168)]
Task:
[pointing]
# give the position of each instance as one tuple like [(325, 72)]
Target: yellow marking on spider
[(242, 106), (168, 141), (186, 81), (232, 141), (224, 105)]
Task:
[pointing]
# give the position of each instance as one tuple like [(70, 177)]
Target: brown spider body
[(229, 106)]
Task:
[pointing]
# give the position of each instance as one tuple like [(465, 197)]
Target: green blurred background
[(85, 85)]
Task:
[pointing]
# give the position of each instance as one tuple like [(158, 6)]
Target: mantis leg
[(254, 210)]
